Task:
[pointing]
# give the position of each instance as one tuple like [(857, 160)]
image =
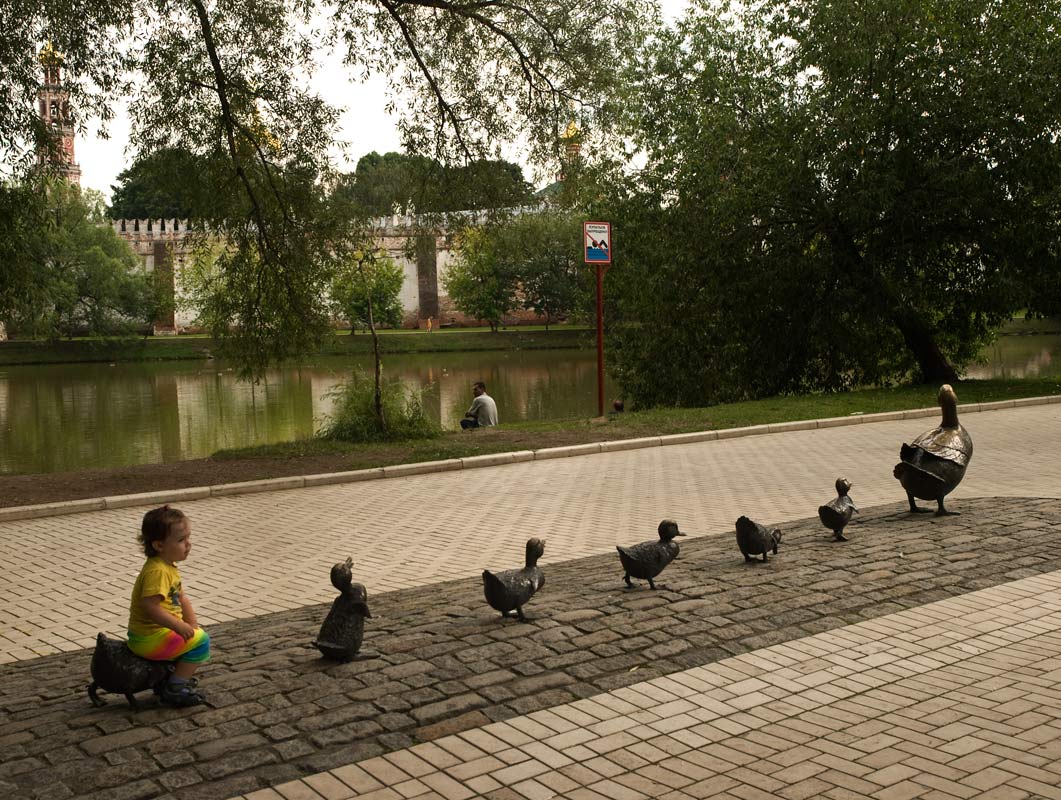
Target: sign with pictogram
[(597, 242)]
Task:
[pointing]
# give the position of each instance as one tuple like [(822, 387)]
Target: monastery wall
[(166, 246)]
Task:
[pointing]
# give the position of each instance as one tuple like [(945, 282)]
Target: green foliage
[(229, 83), (355, 419), (836, 194), (382, 185), (481, 281), (64, 273), (532, 260), (165, 184), (377, 280), (545, 251)]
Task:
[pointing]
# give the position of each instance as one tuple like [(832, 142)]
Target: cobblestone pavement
[(957, 699), (451, 666), (257, 554)]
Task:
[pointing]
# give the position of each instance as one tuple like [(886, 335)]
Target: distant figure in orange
[(429, 324)]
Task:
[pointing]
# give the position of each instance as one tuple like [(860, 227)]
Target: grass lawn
[(635, 424)]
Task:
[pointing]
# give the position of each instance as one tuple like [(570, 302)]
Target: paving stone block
[(251, 487), (352, 476), (630, 444), (402, 470), (565, 452), (12, 513)]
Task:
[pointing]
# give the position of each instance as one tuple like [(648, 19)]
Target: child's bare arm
[(152, 606), (187, 611)]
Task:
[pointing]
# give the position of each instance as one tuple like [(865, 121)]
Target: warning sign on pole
[(597, 241)]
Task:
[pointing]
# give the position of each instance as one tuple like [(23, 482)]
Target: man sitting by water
[(483, 412)]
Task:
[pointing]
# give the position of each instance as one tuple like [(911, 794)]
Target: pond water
[(1023, 356), (76, 416)]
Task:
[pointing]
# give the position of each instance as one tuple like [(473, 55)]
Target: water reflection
[(73, 416), (1028, 356)]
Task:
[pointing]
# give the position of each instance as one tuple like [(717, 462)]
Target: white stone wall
[(393, 234)]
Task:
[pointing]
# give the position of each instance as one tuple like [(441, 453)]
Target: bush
[(354, 419)]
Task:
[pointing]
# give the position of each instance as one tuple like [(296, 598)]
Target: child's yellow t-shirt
[(156, 577)]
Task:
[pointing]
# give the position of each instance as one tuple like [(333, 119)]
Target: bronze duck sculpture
[(838, 512), (343, 629), (647, 560), (754, 539), (115, 668), (935, 463), (510, 590)]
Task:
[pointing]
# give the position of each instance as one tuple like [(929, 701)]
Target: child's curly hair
[(157, 524)]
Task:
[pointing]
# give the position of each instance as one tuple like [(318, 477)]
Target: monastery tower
[(53, 105)]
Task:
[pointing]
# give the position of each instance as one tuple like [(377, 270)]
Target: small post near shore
[(597, 245)]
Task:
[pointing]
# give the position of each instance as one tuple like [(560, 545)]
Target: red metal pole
[(600, 340)]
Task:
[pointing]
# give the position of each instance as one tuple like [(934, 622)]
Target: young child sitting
[(162, 624)]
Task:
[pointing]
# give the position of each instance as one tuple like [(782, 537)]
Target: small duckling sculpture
[(754, 539), (116, 668), (935, 463), (512, 589), (838, 512), (343, 629), (647, 560)]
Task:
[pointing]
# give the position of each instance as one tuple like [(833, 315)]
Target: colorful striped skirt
[(167, 645)]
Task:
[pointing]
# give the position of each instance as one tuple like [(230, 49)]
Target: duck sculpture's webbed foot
[(942, 512), (519, 614), (652, 585), (629, 583), (839, 536), (915, 508)]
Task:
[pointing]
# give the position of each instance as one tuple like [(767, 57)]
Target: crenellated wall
[(165, 246)]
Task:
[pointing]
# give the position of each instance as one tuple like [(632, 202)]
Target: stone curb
[(493, 459)]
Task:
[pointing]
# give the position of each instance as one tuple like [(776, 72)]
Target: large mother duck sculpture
[(935, 463)]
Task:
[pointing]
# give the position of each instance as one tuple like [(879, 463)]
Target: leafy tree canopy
[(480, 281), (382, 185), (63, 273), (166, 184), (837, 193), (228, 81), (374, 283)]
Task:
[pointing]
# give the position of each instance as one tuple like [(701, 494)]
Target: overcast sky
[(365, 126)]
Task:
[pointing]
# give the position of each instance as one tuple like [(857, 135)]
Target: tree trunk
[(377, 398), (916, 334), (934, 366)]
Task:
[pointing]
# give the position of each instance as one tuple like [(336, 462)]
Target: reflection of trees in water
[(79, 416), (1027, 356)]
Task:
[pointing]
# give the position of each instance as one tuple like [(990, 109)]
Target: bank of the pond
[(177, 348), (313, 456)]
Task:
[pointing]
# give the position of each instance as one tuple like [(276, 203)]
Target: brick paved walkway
[(271, 552), (450, 666), (957, 699)]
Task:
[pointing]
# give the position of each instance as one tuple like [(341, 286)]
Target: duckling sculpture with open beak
[(935, 463), (343, 629)]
